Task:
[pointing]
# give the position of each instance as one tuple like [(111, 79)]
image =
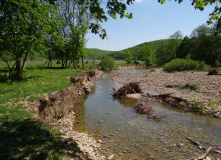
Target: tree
[(23, 25), (175, 39), (146, 54), (165, 53), (185, 48), (201, 31)]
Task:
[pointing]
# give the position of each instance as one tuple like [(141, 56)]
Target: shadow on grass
[(29, 139)]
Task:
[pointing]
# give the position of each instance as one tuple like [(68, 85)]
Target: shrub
[(184, 64), (107, 64), (128, 60), (194, 86)]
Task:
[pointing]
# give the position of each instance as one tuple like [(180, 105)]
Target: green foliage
[(198, 107), (213, 103), (202, 46), (183, 65), (96, 54), (145, 54), (107, 64), (166, 52), (217, 63), (129, 60), (194, 86)]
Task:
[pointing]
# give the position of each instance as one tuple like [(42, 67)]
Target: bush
[(194, 86), (128, 60), (107, 64), (184, 64)]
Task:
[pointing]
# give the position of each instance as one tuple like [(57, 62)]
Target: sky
[(151, 21)]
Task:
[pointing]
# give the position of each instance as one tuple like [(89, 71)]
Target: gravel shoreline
[(209, 93)]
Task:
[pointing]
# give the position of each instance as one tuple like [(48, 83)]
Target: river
[(128, 135)]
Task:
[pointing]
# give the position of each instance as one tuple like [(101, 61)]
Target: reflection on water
[(128, 135)]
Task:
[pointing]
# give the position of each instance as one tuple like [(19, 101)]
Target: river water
[(128, 135)]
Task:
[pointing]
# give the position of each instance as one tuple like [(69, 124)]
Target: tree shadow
[(30, 139)]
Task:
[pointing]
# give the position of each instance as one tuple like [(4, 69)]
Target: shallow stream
[(128, 135)]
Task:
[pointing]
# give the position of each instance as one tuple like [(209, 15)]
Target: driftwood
[(203, 156), (142, 108), (195, 143), (213, 72), (129, 88), (171, 100), (155, 117)]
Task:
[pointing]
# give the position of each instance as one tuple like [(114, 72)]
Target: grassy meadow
[(23, 137)]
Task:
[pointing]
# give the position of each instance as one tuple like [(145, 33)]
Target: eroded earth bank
[(56, 108)]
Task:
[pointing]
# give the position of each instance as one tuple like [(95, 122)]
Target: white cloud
[(139, 1)]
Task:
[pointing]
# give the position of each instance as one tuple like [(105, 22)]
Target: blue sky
[(151, 21)]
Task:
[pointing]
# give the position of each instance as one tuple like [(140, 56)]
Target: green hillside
[(153, 44), (94, 53)]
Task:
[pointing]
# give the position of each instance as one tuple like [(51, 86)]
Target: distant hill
[(94, 53), (153, 44)]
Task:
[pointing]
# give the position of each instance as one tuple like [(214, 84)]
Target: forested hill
[(153, 44), (94, 53)]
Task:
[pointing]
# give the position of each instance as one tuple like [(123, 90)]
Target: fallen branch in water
[(201, 147), (155, 117), (142, 108), (195, 143), (205, 154)]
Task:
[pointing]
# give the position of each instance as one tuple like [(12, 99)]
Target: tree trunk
[(66, 63), (25, 61), (69, 64), (82, 61), (74, 64), (62, 62), (18, 68), (49, 63)]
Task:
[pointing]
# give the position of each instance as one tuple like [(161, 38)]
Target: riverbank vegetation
[(108, 64)]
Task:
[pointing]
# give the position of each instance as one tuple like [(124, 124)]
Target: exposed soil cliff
[(56, 108)]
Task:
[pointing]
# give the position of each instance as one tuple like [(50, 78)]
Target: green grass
[(36, 81), (213, 103), (23, 137)]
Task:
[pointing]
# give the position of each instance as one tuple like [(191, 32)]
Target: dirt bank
[(209, 93), (133, 66), (56, 108)]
